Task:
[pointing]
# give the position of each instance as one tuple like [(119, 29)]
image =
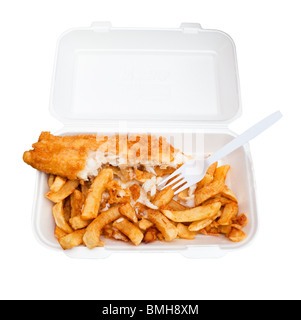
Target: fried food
[(208, 178), (201, 224), (144, 224), (130, 220), (241, 220), (117, 235), (93, 231), (175, 205), (76, 203), (229, 212), (184, 232), (117, 194), (236, 235), (64, 192), (213, 188), (128, 211), (227, 193), (130, 230), (78, 222), (71, 240), (168, 230), (135, 191), (163, 197), (59, 217), (50, 180), (150, 235), (217, 198), (62, 156), (58, 232), (74, 157), (106, 186), (57, 184), (94, 196), (67, 208), (194, 214)]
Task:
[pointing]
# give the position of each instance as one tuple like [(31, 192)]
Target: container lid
[(105, 73)]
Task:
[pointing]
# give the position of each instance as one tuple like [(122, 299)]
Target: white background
[(267, 37)]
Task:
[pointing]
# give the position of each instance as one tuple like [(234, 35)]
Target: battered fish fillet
[(72, 156)]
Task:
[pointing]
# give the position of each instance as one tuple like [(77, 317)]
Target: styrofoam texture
[(185, 73), (150, 81), (240, 179)]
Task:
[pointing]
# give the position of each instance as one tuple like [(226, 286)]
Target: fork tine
[(178, 171), (181, 189), (179, 184), (175, 180)]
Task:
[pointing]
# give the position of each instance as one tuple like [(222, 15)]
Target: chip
[(57, 184), (76, 203), (59, 217), (130, 230), (64, 192), (144, 224), (194, 214), (228, 213), (208, 177), (168, 230), (184, 232), (213, 188), (236, 235), (163, 197), (94, 196), (201, 224), (71, 240), (93, 231), (150, 235), (128, 211), (108, 205)]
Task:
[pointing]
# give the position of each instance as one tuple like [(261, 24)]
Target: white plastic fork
[(194, 170)]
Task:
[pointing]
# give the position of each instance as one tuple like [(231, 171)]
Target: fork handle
[(245, 137)]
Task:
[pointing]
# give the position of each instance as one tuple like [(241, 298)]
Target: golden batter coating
[(67, 156)]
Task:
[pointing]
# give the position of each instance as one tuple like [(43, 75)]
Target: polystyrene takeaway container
[(168, 82)]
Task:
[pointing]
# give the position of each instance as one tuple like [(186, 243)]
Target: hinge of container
[(101, 26), (190, 27)]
